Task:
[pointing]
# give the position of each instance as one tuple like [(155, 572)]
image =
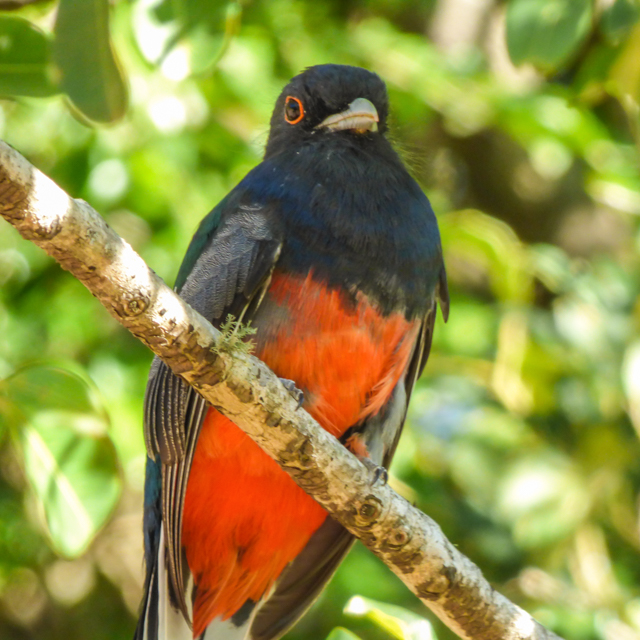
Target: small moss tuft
[(234, 338)]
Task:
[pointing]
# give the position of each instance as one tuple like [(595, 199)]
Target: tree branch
[(246, 391)]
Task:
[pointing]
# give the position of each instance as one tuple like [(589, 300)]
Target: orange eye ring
[(293, 110)]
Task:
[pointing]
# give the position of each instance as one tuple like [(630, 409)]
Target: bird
[(331, 250)]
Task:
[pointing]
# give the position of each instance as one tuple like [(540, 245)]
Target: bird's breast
[(244, 517), (340, 349)]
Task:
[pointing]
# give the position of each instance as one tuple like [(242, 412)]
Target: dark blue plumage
[(372, 229)]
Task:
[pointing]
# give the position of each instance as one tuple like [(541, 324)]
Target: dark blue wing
[(227, 267)]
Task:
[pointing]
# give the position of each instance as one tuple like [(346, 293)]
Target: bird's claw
[(294, 392), (379, 473)]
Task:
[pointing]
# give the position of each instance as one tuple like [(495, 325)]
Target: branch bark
[(246, 391)]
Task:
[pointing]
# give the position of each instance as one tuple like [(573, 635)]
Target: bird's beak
[(360, 115)]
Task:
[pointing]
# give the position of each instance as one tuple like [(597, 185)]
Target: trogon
[(332, 251)]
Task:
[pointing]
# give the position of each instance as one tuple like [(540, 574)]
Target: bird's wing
[(226, 270), (420, 355), (304, 578)]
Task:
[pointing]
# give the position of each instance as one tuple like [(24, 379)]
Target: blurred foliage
[(68, 458), (522, 439), (398, 622), (340, 633)]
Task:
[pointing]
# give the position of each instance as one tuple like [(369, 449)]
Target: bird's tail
[(159, 619)]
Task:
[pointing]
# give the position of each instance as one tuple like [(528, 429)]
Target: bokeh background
[(520, 119)]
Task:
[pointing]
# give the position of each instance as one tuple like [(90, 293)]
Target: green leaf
[(69, 460), (50, 387), (618, 19), (192, 12), (26, 67), (340, 633), (547, 33), (492, 247), (624, 77), (75, 477), (399, 622), (590, 81), (91, 74), (201, 29)]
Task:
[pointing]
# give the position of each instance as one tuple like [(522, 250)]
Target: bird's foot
[(356, 444), (294, 392), (379, 474)]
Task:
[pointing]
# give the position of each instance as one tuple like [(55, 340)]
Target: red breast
[(244, 518)]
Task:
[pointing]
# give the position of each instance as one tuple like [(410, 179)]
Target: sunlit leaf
[(546, 33), (91, 75), (74, 476), (399, 622), (69, 460), (340, 633), (487, 246), (543, 498), (186, 36), (26, 67)]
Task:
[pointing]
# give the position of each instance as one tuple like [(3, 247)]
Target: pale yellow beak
[(360, 116)]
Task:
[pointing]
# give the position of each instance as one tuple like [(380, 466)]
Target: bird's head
[(327, 100)]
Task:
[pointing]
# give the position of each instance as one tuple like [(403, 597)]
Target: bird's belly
[(244, 518)]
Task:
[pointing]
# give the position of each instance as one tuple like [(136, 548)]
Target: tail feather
[(227, 630), (148, 619), (159, 619)]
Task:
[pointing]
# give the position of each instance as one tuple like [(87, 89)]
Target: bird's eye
[(293, 110)]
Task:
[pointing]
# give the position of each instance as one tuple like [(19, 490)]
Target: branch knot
[(369, 511), (136, 306)]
